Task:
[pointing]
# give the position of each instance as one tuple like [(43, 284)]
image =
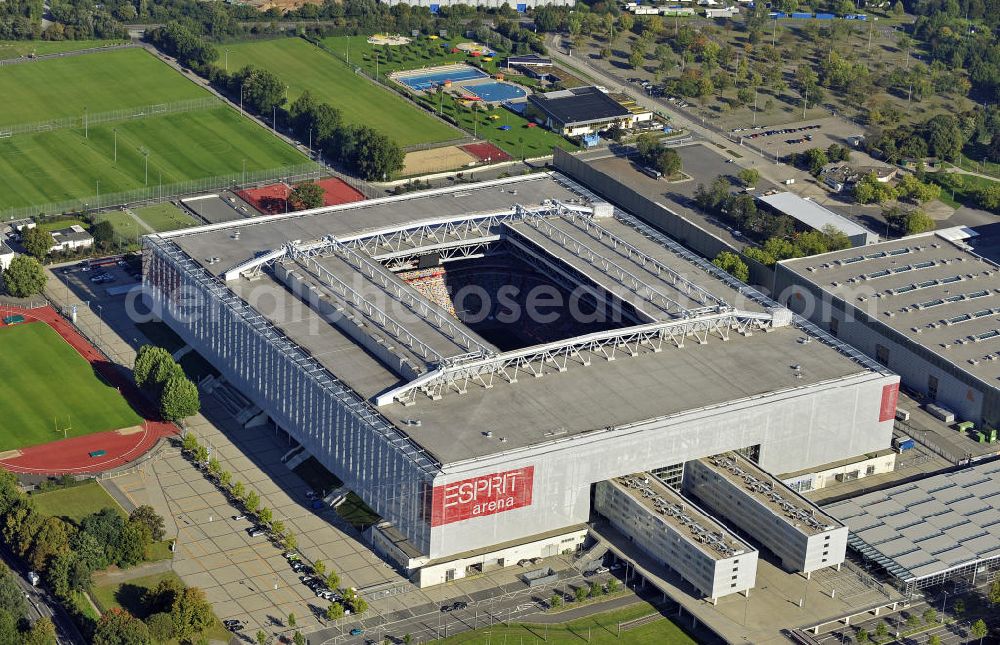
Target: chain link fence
[(99, 118), (162, 192)]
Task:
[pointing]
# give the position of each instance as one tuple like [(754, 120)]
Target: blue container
[(798, 15), (825, 16)]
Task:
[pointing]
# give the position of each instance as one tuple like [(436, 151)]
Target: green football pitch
[(97, 82), (304, 66), (50, 392), (17, 48), (61, 165)]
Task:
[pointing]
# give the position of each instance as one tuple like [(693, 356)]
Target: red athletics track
[(70, 456)]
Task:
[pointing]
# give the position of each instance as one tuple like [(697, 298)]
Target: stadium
[(473, 360)]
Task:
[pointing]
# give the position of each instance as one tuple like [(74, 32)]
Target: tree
[(161, 598), (581, 593), (299, 639), (376, 156), (146, 516), (881, 630), (749, 176), (556, 600), (291, 620), (612, 585), (934, 638), (278, 527), (132, 542), (179, 399), (147, 362), (307, 195), (117, 627), (595, 589), (265, 515), (42, 632), (201, 454), (869, 190), (8, 628), (160, 626), (958, 607), (333, 580), (37, 243), (11, 597), (732, 264), (291, 541), (980, 630), (52, 539), (814, 160), (944, 137), (862, 635), (252, 501), (930, 615), (261, 89), (319, 567), (214, 466), (24, 277), (239, 490), (261, 637), (225, 477), (191, 613), (668, 162), (911, 188), (335, 611), (104, 234)]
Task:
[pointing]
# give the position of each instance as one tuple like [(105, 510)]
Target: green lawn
[(165, 217), (49, 391), (600, 629), (63, 164), (59, 223), (76, 502), (421, 52), (304, 66), (98, 82), (126, 229), (17, 48), (957, 188), (129, 597), (520, 141)]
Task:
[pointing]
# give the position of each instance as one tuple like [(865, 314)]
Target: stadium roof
[(442, 385), (930, 289), (579, 105), (816, 217), (928, 527)]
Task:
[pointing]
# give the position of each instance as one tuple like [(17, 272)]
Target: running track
[(70, 456)]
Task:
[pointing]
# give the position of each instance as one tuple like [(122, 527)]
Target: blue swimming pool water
[(495, 91), (433, 79)]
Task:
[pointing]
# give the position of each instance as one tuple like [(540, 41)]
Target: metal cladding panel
[(320, 413), (797, 430)]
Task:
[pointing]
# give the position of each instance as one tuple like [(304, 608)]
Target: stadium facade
[(380, 335)]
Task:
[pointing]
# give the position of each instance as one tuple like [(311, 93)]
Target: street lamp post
[(115, 131), (944, 603), (242, 85), (227, 60)]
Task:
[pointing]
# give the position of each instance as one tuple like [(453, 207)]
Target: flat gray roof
[(582, 399), (812, 214), (933, 291), (681, 514), (788, 506), (218, 248), (929, 526)]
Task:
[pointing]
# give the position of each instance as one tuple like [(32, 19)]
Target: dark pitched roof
[(578, 105), (529, 59)]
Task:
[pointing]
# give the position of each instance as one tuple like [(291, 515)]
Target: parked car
[(233, 624), (357, 631), (239, 517), (255, 531), (460, 604), (446, 608)]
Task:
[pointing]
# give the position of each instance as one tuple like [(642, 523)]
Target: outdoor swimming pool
[(432, 79), (496, 91)]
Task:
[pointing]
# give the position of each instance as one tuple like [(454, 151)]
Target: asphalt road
[(41, 603)]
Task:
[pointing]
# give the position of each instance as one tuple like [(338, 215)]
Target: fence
[(98, 118), (77, 52), (148, 194)]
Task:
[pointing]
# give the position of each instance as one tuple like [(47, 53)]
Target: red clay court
[(71, 456), (271, 199), (486, 151)]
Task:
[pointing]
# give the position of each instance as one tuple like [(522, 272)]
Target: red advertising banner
[(481, 496), (890, 396)]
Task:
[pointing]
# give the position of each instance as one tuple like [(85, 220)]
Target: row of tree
[(25, 277), (157, 373)]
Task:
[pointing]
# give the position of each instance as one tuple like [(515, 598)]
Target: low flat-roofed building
[(791, 527), (925, 306), (6, 255), (71, 238), (674, 530), (527, 60), (813, 216), (924, 532), (581, 110)]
